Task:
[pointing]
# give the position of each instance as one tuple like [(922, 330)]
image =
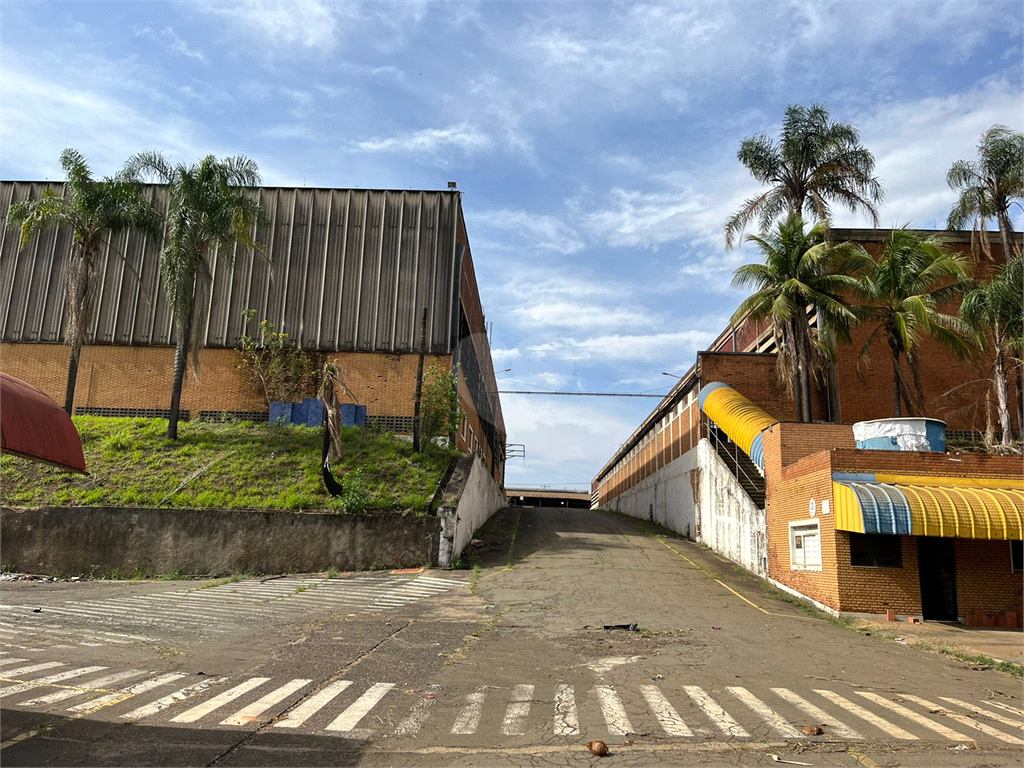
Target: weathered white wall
[(666, 497), (727, 520), (722, 516), (479, 498)]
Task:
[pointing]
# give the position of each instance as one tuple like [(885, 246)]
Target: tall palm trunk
[(999, 381), (69, 392), (897, 410), (180, 360), (1019, 386), (1005, 234)]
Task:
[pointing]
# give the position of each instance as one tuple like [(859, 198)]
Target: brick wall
[(934, 464), (140, 377), (985, 583), (876, 590), (754, 377)]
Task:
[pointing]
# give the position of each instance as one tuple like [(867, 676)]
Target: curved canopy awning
[(738, 417), (34, 427), (959, 507)]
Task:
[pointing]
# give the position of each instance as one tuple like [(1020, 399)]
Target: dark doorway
[(936, 560)]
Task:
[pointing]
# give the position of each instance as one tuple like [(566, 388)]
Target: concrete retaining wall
[(471, 498), (666, 497), (84, 540), (727, 520)]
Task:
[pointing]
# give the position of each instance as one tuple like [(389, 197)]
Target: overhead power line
[(575, 394)]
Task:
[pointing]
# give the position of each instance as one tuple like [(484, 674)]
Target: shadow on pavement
[(83, 742)]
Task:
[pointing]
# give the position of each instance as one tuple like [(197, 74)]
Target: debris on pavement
[(597, 747), (657, 677), (812, 730), (778, 759), (627, 627), (716, 627), (901, 640)]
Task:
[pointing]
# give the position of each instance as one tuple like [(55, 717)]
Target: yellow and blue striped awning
[(738, 417), (967, 508)]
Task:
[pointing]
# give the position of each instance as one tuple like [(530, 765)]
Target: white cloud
[(283, 23), (580, 315), (462, 137), (502, 355), (532, 230), (171, 40), (619, 348)]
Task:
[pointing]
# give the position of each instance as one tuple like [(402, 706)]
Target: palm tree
[(993, 313), (801, 269), (94, 210), (904, 288), (210, 208), (816, 162), (990, 186)]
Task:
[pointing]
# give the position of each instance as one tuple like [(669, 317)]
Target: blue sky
[(594, 143)]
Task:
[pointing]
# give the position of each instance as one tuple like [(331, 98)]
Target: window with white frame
[(805, 546)]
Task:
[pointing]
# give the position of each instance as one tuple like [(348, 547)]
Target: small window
[(805, 546), (876, 550), (1017, 556)]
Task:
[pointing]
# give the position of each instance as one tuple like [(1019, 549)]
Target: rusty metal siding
[(342, 269)]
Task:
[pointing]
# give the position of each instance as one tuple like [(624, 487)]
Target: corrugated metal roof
[(342, 269), (738, 417)]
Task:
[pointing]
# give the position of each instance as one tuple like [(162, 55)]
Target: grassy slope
[(248, 466)]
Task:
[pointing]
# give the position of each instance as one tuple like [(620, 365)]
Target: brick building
[(793, 502), (346, 272)]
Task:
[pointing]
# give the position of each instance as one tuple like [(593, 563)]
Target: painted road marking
[(567, 722), (722, 719), (218, 701), (173, 698), (855, 709), (42, 681), (126, 693), (253, 711), (312, 705), (1007, 707), (518, 710), (964, 720), (5, 662), (356, 711), (469, 717), (821, 716), (32, 668), (931, 725), (614, 713), (665, 712), (982, 711), (769, 715), (93, 686), (418, 714)]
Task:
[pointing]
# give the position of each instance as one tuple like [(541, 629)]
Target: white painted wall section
[(481, 497)]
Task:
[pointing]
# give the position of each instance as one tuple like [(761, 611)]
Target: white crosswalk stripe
[(722, 719), (931, 725), (257, 708), (1007, 707), (518, 710), (5, 662), (665, 712), (13, 673), (93, 686), (615, 716), (985, 712), (223, 699), (970, 722), (821, 716), (171, 699), (412, 724), (769, 715), (469, 717), (126, 693), (41, 681), (312, 705), (356, 711), (567, 722), (870, 717)]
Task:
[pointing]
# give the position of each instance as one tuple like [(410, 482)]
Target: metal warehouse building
[(347, 272)]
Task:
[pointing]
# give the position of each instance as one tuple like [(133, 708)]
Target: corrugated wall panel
[(340, 270)]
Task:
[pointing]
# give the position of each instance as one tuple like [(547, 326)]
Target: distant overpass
[(548, 497)]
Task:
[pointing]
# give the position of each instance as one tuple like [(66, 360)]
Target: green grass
[(231, 465)]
